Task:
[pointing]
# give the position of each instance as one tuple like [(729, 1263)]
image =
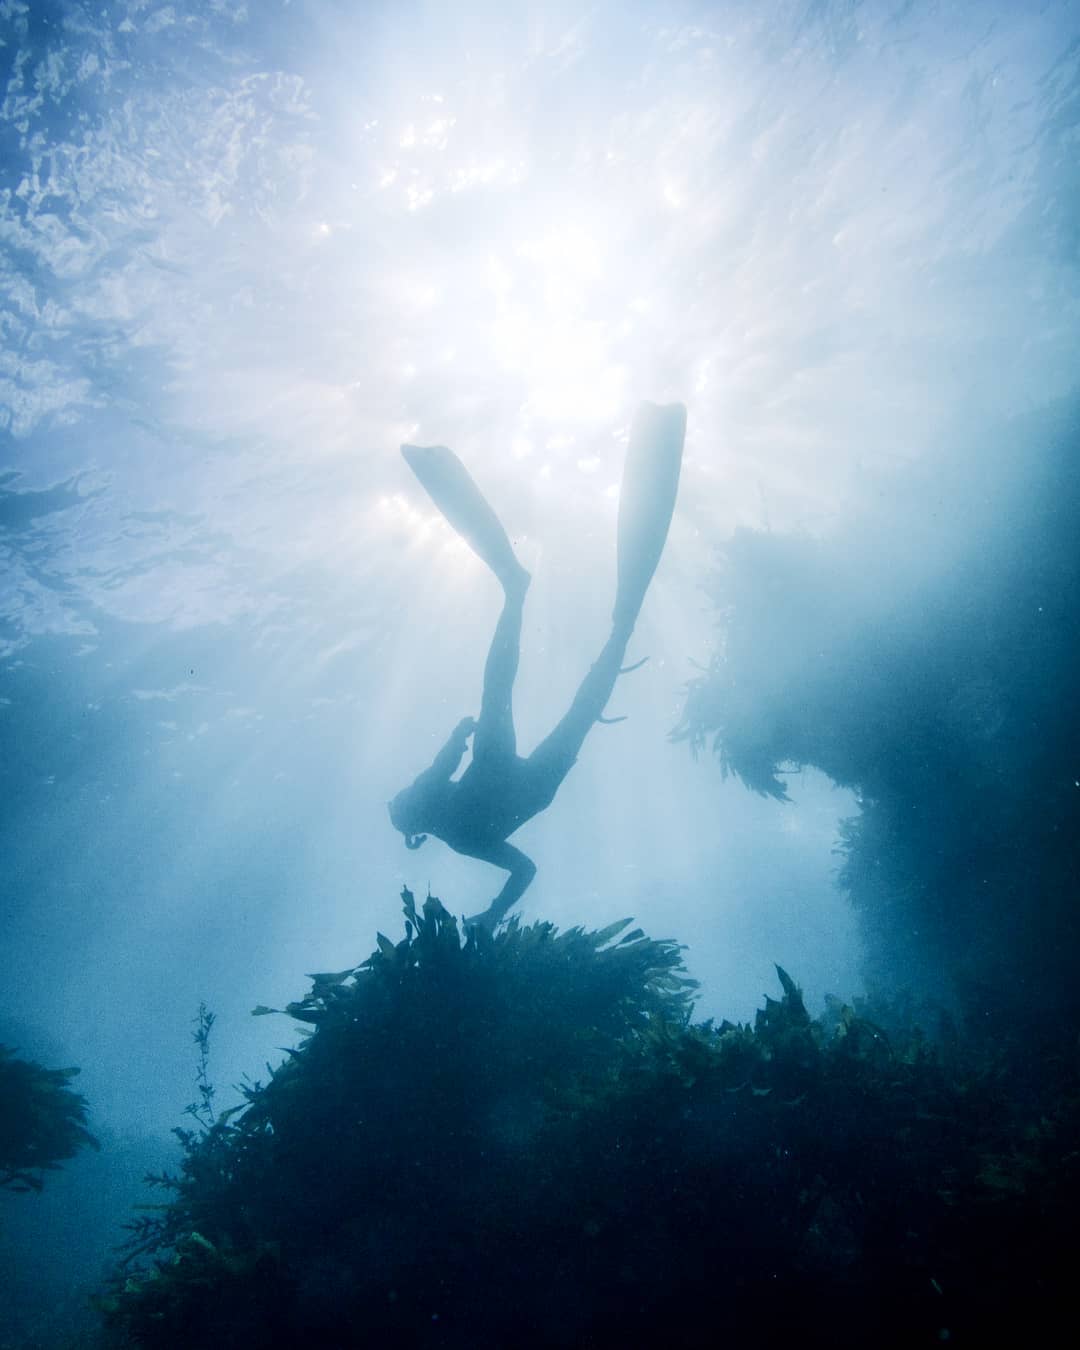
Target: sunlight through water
[(247, 251)]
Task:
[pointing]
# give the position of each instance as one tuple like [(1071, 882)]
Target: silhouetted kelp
[(42, 1121), (523, 1139), (926, 656)]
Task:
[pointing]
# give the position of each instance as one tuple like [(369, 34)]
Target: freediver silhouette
[(500, 790)]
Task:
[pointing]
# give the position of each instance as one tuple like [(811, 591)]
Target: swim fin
[(453, 490), (647, 502)]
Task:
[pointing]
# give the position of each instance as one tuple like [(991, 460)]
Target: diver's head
[(404, 817)]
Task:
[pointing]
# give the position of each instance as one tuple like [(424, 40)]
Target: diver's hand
[(465, 728)]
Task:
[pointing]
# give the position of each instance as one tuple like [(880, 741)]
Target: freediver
[(500, 790)]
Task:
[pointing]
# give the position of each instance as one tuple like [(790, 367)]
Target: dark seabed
[(822, 1086)]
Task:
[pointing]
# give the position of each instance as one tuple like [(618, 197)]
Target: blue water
[(248, 250)]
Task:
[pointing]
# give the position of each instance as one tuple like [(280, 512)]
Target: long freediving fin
[(647, 502), (454, 491)]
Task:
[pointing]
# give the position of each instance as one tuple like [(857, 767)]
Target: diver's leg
[(650, 484), (522, 869), (554, 757), (494, 737)]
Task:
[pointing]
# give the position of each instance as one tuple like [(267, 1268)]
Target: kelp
[(42, 1121), (924, 655), (523, 1138), (627, 980)]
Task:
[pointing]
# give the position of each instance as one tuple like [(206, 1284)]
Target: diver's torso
[(491, 799)]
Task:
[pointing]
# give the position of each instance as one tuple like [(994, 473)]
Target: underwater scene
[(539, 649)]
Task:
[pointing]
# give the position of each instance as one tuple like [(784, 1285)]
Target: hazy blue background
[(246, 250)]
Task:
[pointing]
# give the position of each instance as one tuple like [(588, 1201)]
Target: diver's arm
[(522, 869), (445, 763)]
